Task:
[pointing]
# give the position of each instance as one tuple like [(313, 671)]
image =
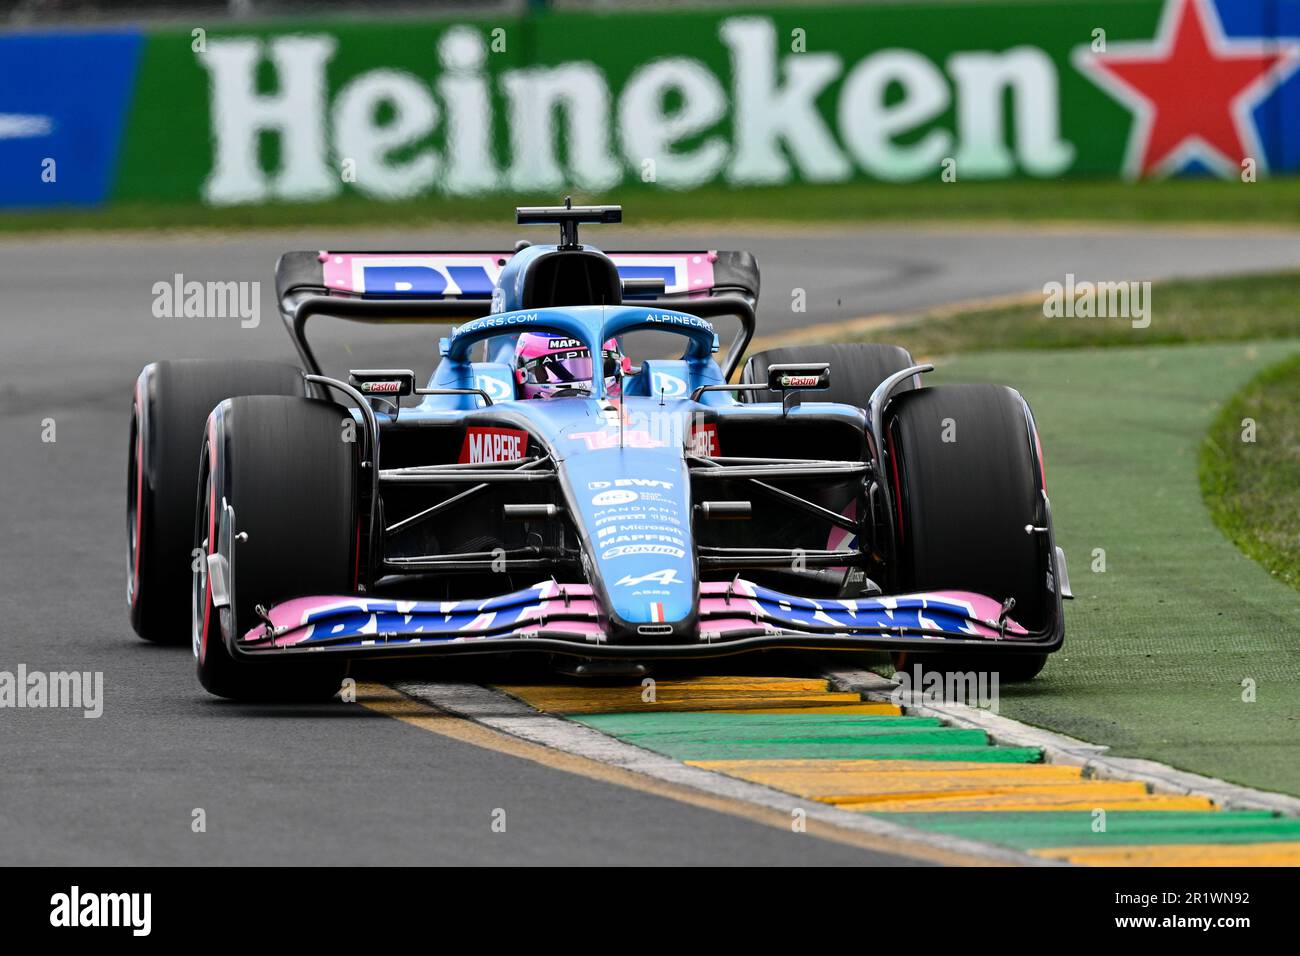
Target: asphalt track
[(340, 784)]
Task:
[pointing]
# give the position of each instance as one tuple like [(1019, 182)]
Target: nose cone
[(635, 517)]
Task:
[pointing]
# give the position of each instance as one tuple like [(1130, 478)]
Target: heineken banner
[(234, 113)]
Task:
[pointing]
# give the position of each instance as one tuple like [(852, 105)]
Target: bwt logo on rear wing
[(473, 275), (437, 275)]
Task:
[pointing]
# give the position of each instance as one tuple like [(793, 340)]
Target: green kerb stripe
[(702, 736)]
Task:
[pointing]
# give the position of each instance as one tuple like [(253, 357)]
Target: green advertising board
[(406, 108)]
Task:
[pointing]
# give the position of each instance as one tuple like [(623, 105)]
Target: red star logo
[(1191, 90)]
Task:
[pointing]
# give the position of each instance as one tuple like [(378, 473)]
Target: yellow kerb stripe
[(1186, 854), (835, 785), (1021, 803), (703, 693)]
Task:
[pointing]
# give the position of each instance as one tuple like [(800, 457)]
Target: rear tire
[(962, 505), (282, 465), (171, 404), (856, 368)]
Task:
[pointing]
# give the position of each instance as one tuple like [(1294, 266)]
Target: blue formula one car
[(544, 494)]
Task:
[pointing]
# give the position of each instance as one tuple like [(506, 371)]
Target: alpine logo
[(492, 445), (665, 577)]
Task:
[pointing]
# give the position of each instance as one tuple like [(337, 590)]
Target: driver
[(550, 366)]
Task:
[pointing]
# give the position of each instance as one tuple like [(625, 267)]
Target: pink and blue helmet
[(546, 365)]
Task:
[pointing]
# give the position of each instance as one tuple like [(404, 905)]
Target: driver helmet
[(547, 364)]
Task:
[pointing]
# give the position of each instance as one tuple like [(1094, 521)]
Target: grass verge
[(1250, 475), (1273, 201), (1170, 618)]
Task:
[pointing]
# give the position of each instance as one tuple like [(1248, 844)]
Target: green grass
[(1174, 201), (1238, 309), (1159, 643), (1252, 488)]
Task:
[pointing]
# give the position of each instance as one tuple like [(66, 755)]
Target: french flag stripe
[(656, 612)]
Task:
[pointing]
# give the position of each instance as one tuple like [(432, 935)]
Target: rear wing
[(470, 276), (457, 286)]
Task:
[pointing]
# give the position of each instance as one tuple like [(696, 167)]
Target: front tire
[(967, 480), (285, 469), (170, 406)]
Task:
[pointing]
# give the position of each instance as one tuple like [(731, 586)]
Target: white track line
[(1057, 748), (510, 716)]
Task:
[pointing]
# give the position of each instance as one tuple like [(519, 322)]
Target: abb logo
[(488, 445)]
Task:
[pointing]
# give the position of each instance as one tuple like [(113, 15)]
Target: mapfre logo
[(704, 441), (490, 445)]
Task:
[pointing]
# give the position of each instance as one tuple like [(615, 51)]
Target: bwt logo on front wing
[(74, 909)]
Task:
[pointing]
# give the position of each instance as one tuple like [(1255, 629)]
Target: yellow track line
[(384, 700)]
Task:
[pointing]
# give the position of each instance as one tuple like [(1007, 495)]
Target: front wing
[(734, 617)]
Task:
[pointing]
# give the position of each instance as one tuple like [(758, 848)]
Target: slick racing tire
[(171, 404), (278, 502), (965, 476), (856, 369)]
